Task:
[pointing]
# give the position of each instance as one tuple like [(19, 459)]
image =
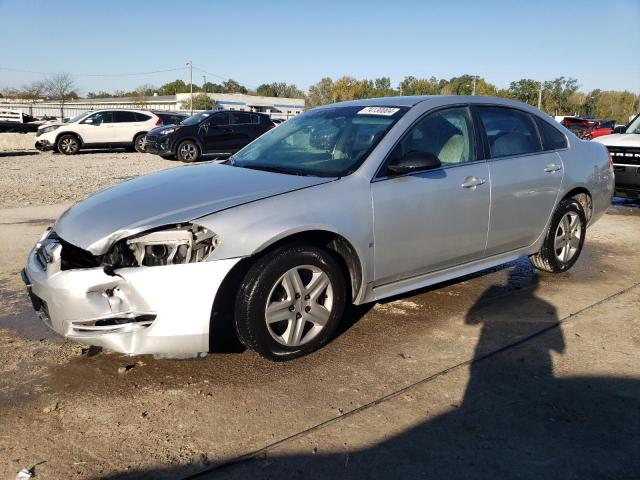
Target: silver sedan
[(347, 203)]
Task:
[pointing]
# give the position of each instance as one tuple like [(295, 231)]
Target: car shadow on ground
[(517, 419), (18, 154)]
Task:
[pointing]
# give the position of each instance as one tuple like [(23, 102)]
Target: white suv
[(102, 128)]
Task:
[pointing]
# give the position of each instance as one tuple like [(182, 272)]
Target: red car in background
[(588, 128)]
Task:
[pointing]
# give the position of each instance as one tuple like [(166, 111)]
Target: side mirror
[(619, 129), (414, 162)]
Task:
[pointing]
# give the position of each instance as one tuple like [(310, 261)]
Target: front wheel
[(565, 238), (290, 302), (68, 144), (188, 151)]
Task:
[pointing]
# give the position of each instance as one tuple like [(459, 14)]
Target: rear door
[(216, 134), (126, 126), (525, 178), (243, 129)]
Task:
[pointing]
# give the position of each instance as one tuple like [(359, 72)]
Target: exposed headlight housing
[(185, 243)]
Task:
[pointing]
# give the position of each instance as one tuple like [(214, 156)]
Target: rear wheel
[(290, 302), (138, 142), (68, 144), (188, 151), (565, 238)]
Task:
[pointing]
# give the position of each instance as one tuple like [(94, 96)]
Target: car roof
[(412, 101)]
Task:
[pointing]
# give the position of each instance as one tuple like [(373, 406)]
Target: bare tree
[(60, 87), (33, 91)]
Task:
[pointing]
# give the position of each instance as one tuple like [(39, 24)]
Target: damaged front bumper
[(163, 310), (158, 145), (44, 145)]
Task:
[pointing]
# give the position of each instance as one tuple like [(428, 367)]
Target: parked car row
[(103, 129), (588, 128), (168, 134)]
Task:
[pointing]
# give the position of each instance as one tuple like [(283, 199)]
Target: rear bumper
[(144, 310)]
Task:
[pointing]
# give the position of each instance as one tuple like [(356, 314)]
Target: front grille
[(75, 257), (625, 155)]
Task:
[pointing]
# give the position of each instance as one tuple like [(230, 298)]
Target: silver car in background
[(347, 203)]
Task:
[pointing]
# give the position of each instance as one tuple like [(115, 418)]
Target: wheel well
[(583, 197), (222, 334), (69, 133), (138, 134)]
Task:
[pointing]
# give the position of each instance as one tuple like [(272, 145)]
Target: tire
[(188, 151), (564, 240), (68, 144), (138, 142), (300, 320)]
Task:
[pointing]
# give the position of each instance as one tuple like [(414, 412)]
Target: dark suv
[(217, 131)]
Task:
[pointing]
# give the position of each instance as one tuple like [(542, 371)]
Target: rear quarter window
[(552, 138), (141, 117)]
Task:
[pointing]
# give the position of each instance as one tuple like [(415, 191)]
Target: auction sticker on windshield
[(387, 111)]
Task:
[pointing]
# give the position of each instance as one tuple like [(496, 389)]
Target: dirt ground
[(502, 374)]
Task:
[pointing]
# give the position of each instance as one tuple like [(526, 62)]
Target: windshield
[(328, 142), (77, 117), (634, 127), (195, 119)]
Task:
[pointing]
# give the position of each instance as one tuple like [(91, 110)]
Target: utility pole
[(473, 92), (190, 65), (204, 83), (540, 96)]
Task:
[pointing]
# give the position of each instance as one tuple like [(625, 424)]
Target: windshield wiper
[(274, 169)]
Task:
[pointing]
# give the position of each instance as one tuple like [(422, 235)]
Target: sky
[(302, 41)]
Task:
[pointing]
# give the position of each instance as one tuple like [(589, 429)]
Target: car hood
[(157, 130), (51, 123), (620, 140), (172, 196)]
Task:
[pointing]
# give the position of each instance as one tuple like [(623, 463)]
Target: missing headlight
[(181, 244)]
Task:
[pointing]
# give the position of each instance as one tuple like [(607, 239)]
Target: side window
[(240, 118), (99, 118), (220, 119), (255, 119), (509, 131), (552, 138), (448, 134), (124, 117), (141, 117)]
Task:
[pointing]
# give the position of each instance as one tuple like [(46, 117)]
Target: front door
[(432, 220), (525, 179), (96, 128)]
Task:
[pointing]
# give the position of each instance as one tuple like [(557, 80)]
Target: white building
[(276, 107)]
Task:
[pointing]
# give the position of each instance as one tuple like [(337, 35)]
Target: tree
[(556, 95), (419, 86), (231, 86), (525, 90), (201, 101), (320, 93), (279, 89), (172, 88), (61, 87), (33, 91)]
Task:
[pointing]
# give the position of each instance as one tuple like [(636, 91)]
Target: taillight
[(271, 125), (159, 121)]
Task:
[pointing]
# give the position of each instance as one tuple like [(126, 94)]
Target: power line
[(132, 74)]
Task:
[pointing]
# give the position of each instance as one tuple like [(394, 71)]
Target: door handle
[(472, 182), (552, 167)]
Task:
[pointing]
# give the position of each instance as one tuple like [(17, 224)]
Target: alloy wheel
[(567, 238), (68, 145), (299, 305), (188, 151)]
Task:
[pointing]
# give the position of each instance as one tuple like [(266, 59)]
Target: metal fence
[(72, 109)]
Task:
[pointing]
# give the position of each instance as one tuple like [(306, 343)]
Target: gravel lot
[(36, 178), (502, 374)]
